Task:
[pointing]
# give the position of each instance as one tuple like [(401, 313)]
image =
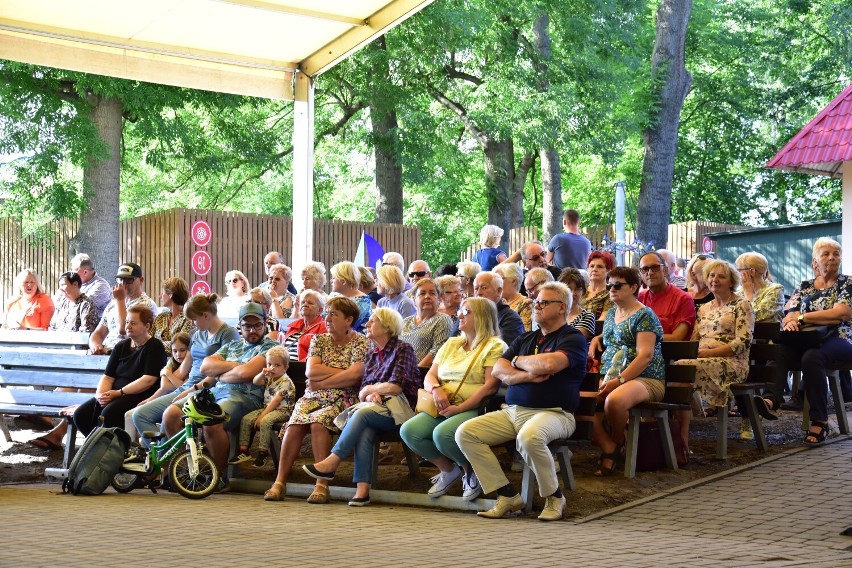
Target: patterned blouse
[(427, 337), (622, 337), (731, 325), (598, 303), (395, 364), (79, 315), (584, 320), (523, 306), (165, 332), (768, 303), (812, 299)]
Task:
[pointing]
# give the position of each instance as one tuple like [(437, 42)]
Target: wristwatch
[(801, 318), (514, 361), (621, 379)]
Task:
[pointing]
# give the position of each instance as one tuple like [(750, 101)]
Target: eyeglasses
[(746, 269), (274, 279), (465, 312), (541, 304), (234, 281), (252, 327), (418, 274), (650, 268), (615, 286), (536, 257)]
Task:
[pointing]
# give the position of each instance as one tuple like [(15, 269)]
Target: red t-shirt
[(673, 306)]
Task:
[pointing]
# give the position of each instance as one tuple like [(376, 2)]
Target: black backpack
[(97, 461)]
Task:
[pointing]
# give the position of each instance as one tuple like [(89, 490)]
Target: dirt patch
[(21, 462)]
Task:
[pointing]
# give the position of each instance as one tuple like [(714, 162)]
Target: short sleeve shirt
[(125, 364), (453, 361), (673, 307)]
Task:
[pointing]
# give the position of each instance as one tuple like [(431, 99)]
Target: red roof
[(821, 147)]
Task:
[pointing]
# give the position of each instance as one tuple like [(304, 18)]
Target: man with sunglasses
[(674, 307), (533, 255), (542, 371), (229, 372), (417, 270), (128, 291)]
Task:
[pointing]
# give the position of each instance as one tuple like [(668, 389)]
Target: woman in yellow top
[(469, 356)]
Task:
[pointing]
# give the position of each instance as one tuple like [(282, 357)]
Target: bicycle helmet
[(202, 408)]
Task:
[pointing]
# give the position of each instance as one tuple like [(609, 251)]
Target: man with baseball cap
[(229, 373), (128, 291)]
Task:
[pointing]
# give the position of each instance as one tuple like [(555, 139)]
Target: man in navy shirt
[(543, 370)]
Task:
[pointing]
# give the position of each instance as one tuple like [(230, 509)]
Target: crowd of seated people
[(473, 329)]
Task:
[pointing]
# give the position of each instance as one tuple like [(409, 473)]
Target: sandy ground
[(21, 462)]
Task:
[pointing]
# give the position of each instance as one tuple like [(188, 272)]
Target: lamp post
[(620, 202)]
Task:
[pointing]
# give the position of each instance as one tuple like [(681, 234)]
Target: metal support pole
[(620, 202)]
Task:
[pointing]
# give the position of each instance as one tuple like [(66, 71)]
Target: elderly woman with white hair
[(297, 338), (313, 278), (237, 290), (389, 370), (823, 301), (489, 255), (513, 278), (279, 279), (346, 282), (30, 307), (467, 272), (391, 283), (766, 297)]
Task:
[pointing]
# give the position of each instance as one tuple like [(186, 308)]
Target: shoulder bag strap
[(469, 367)]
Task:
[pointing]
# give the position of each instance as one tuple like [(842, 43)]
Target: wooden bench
[(584, 417), (29, 376), (680, 380)]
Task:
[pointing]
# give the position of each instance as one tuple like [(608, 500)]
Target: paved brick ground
[(787, 512)]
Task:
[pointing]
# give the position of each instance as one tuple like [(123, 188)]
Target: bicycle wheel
[(125, 482), (199, 486)]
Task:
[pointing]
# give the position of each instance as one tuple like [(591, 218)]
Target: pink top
[(24, 314)]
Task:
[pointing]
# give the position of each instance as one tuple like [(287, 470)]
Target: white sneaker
[(553, 509), (504, 506), (239, 458), (745, 431), (442, 482), (471, 487)]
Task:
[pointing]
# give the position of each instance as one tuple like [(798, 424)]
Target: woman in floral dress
[(334, 370), (632, 364), (723, 329)]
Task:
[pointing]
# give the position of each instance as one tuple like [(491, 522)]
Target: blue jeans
[(435, 437), (237, 404), (359, 435), (146, 417)]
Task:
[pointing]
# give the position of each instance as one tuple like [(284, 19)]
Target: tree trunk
[(551, 176), (500, 184), (98, 233), (386, 147), (670, 82)]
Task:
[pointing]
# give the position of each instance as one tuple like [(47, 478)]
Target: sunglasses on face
[(234, 281), (615, 286), (465, 312), (652, 268), (701, 256), (418, 274)]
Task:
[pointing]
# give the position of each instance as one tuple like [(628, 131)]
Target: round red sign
[(201, 233), (707, 245), (201, 262), (200, 287)]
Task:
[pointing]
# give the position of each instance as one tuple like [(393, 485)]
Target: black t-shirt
[(125, 365), (562, 389)]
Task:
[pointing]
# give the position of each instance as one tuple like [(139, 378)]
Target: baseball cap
[(252, 309), (129, 270)]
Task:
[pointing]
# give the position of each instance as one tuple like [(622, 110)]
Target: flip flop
[(43, 443)]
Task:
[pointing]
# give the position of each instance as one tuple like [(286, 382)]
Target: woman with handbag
[(334, 369), (823, 301), (632, 364), (390, 376), (457, 384)]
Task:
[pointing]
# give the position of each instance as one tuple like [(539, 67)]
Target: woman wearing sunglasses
[(237, 289), (632, 364)]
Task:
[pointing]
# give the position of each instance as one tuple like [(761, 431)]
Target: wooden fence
[(160, 243), (684, 238)]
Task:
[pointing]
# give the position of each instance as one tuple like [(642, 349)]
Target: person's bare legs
[(172, 420), (219, 444), (321, 446)]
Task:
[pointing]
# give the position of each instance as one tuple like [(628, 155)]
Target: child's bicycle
[(192, 472)]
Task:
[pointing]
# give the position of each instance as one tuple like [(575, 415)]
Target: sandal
[(614, 458), (764, 409), (319, 495), (275, 493), (819, 436)]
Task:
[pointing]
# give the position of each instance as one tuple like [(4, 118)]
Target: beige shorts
[(655, 387)]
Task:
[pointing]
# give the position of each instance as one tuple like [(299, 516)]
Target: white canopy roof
[(247, 47)]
